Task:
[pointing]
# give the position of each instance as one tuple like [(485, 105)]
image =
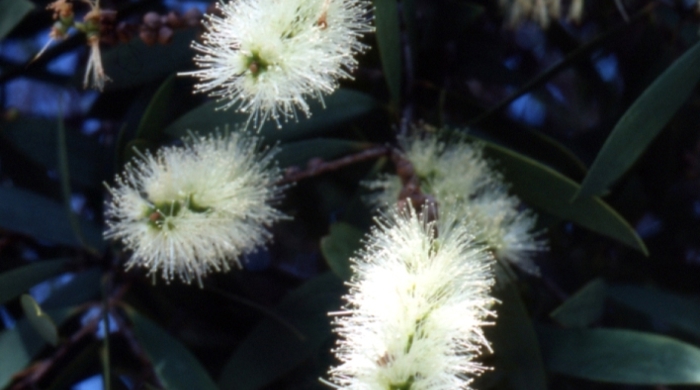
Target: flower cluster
[(191, 210), (540, 11), (65, 19), (267, 57), (418, 299), (465, 184)]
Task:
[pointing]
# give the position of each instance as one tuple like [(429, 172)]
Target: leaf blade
[(386, 18), (341, 243), (642, 122), (271, 349), (173, 363), (16, 281), (28, 213), (11, 14), (584, 307), (553, 191), (620, 356)]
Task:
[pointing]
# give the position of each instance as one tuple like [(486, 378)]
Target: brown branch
[(316, 166)]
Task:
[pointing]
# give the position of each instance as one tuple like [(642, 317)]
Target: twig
[(572, 57), (316, 167), (28, 378)]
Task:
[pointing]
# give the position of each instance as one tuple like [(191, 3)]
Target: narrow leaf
[(514, 341), (583, 308), (17, 281), (682, 313), (11, 13), (173, 363), (386, 18), (40, 321), (28, 213), (339, 245), (547, 189), (642, 122), (19, 345), (36, 139), (299, 153), (65, 186), (620, 356), (343, 106), (151, 126), (271, 350)]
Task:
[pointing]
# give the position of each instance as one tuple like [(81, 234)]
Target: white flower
[(94, 71), (465, 184), (267, 57), (418, 299), (191, 210)]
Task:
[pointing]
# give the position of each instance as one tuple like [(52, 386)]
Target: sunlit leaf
[(682, 313), (271, 349), (173, 363), (547, 189), (582, 308), (339, 245), (341, 107), (386, 20), (40, 321), (299, 153), (16, 281), (642, 122), (28, 213), (620, 356), (11, 13)]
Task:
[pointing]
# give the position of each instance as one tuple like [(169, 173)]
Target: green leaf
[(20, 344), (299, 153), (271, 349), (547, 189), (83, 287), (11, 13), (620, 356), (153, 120), (16, 281), (36, 139), (28, 213), (66, 188), (341, 107), (642, 122), (339, 245), (514, 340), (583, 308), (40, 321), (386, 19), (133, 64), (173, 363), (682, 313)]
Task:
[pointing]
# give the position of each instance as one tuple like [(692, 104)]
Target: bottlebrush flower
[(418, 299), (191, 210), (465, 184), (268, 57)]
